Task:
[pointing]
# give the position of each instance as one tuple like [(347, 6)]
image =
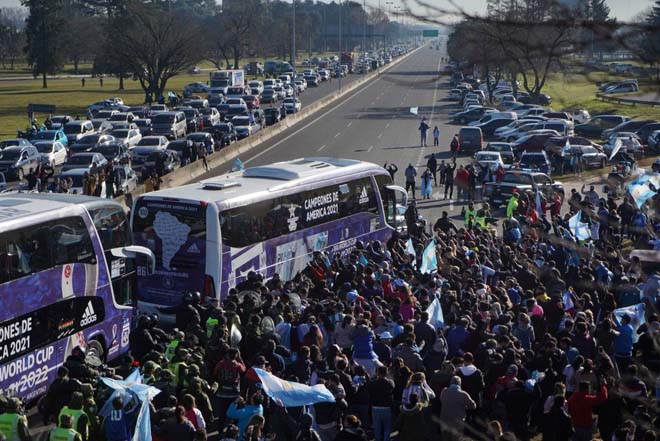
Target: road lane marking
[(387, 125), (420, 158), (380, 135), (337, 135), (321, 148), (349, 124), (370, 149)]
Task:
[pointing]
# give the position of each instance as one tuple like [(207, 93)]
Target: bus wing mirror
[(401, 190), (131, 252)]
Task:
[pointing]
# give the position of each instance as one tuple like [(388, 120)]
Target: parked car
[(193, 118), (488, 128), (154, 142), (102, 125), (470, 139), (503, 148), (272, 116), (115, 152), (17, 161), (202, 139), (88, 143), (226, 132), (632, 125), (193, 88), (169, 161), (210, 116), (532, 141), (51, 135), (169, 124), (312, 81), (58, 121), (85, 161), (53, 153), (292, 105), (654, 140), (269, 96), (178, 146), (75, 130), (535, 161), (140, 154), (497, 193), (244, 126), (595, 126), (14, 142), (256, 87), (474, 114), (129, 136), (77, 178), (126, 180), (646, 130), (251, 101), (491, 160)]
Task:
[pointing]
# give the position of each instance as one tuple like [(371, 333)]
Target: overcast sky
[(622, 9)]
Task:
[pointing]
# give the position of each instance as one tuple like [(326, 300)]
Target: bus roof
[(233, 187), (20, 205)]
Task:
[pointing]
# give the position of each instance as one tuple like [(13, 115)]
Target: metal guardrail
[(630, 101)]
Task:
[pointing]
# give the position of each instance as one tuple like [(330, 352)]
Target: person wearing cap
[(65, 431), (383, 348), (80, 418), (363, 349), (13, 423)]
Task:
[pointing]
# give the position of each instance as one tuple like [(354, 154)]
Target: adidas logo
[(364, 197), (193, 249), (89, 316)]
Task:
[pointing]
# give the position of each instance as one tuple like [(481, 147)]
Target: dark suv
[(470, 139)]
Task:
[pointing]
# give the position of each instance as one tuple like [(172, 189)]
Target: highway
[(374, 123)]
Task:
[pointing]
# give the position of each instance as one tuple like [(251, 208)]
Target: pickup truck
[(498, 193)]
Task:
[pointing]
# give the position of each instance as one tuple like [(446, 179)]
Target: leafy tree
[(651, 37), (154, 45), (43, 30)]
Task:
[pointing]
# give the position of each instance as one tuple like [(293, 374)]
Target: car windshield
[(234, 101), (119, 117), (5, 144), (80, 159), (59, 119), (177, 145), (153, 156), (163, 119), (140, 122), (241, 121), (150, 141), (45, 135), (533, 159), (222, 127), (487, 157), (44, 147), (10, 155), (72, 129), (108, 150), (120, 133), (90, 139), (190, 113), (197, 137), (207, 111)]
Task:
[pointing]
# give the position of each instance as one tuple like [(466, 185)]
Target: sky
[(622, 9)]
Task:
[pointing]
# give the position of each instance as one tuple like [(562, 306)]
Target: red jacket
[(580, 407)]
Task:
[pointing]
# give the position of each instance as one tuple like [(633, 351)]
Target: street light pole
[(341, 3), (293, 55)]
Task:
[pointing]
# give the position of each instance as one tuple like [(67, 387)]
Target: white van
[(495, 115)]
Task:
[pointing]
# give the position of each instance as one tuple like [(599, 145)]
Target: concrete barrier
[(193, 171)]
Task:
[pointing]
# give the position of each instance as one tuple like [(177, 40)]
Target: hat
[(353, 295), (385, 278), (386, 336), (166, 374), (512, 369)]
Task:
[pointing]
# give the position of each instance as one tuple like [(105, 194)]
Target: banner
[(429, 259), (292, 394), (436, 317)]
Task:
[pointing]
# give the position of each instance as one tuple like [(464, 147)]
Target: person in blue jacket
[(116, 424), (623, 344), (243, 413)]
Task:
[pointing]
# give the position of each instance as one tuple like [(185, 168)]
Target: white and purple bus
[(67, 279), (208, 235)]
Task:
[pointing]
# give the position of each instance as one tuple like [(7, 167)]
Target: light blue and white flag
[(617, 147), (363, 260), (132, 388), (410, 248), (579, 229), (539, 210), (292, 394), (566, 149), (436, 317), (636, 314), (640, 190), (237, 165), (414, 110), (429, 259)]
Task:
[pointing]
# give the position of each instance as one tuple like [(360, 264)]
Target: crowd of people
[(529, 342)]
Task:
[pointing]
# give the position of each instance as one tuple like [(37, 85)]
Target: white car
[(53, 153), (129, 136), (491, 160), (256, 87), (455, 95), (153, 141), (77, 176), (292, 105)]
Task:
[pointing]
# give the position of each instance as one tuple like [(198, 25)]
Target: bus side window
[(389, 205)]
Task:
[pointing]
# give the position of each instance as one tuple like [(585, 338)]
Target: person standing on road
[(449, 179), (411, 173), (65, 431), (432, 165), (462, 177), (391, 169), (436, 136), (455, 147), (443, 171), (423, 128), (427, 187)]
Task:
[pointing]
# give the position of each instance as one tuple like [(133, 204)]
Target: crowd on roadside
[(530, 339)]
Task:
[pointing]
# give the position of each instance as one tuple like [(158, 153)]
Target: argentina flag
[(640, 190), (429, 259), (292, 394)]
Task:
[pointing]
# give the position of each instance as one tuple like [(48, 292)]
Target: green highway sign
[(430, 33)]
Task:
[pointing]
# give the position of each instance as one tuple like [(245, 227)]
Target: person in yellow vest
[(469, 211), (179, 367), (91, 410), (13, 424), (78, 415), (512, 206), (170, 351), (65, 430), (481, 218)]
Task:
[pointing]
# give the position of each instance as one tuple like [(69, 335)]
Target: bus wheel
[(96, 348)]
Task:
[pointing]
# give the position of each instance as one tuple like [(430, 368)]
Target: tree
[(154, 45), (650, 46), (12, 34), (43, 31), (80, 39), (239, 22)]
